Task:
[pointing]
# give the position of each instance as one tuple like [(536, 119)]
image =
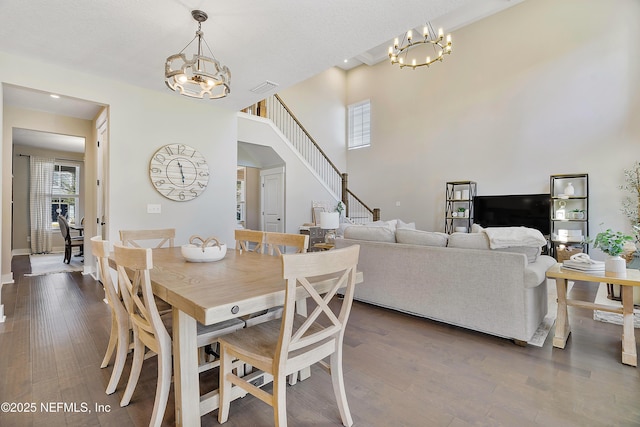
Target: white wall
[(301, 185), (543, 88), (141, 121)]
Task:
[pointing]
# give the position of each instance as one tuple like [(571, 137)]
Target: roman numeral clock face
[(179, 172)]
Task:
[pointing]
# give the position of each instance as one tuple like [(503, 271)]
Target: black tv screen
[(526, 210)]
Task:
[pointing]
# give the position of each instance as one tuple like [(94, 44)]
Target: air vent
[(264, 87)]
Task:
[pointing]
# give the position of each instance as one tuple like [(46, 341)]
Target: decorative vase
[(569, 190), (615, 265)]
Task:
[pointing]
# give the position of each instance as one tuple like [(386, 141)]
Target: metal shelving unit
[(459, 205), (569, 214)]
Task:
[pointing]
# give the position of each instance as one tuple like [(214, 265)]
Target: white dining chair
[(282, 347)]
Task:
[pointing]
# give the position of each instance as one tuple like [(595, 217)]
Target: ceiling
[(282, 41)]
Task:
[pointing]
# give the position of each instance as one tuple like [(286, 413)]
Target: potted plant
[(577, 214), (613, 244)]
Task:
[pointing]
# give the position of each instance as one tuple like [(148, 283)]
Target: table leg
[(185, 369), (562, 319), (629, 355)]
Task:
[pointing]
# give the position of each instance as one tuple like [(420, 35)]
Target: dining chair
[(276, 244), (164, 237), (245, 238), (152, 331), (120, 336), (70, 242), (282, 347)]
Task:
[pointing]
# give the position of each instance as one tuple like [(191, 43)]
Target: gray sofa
[(498, 292)]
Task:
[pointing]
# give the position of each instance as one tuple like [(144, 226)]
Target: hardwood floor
[(399, 370)]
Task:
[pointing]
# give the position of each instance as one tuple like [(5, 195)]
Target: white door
[(101, 182), (272, 199)]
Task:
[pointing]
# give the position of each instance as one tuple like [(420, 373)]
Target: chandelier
[(200, 76), (422, 52)]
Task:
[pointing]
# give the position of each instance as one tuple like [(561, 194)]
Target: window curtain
[(40, 188)]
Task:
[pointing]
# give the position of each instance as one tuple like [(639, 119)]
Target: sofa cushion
[(530, 252), (371, 233), (468, 241), (422, 238)]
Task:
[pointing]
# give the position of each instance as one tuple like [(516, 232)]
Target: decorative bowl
[(201, 250)]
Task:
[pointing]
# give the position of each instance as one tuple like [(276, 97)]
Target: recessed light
[(53, 95), (346, 60)]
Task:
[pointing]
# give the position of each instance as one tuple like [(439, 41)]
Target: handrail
[(274, 109), (313, 141)]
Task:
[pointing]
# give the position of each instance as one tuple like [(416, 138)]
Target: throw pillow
[(476, 228), (422, 238), (409, 225)]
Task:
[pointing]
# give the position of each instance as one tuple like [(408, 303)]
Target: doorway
[(273, 218)]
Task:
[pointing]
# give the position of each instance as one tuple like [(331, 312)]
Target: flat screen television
[(526, 210)]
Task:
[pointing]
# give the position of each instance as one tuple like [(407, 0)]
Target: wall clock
[(179, 172)]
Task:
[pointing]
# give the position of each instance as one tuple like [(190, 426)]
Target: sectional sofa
[(457, 279)]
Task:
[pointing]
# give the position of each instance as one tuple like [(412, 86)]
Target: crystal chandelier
[(422, 52), (200, 76)]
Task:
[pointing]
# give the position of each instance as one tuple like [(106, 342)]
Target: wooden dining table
[(238, 285)]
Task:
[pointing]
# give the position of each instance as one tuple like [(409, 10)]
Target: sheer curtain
[(40, 188)]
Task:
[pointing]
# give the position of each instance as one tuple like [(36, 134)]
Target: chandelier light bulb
[(425, 31), (440, 32), (409, 35)]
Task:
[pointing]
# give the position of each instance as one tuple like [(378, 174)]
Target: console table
[(562, 275)]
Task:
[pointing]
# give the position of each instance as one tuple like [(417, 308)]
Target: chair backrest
[(322, 329), (278, 242), (133, 237), (136, 284), (100, 250), (64, 228), (244, 238)]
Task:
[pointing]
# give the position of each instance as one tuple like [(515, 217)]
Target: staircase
[(274, 109)]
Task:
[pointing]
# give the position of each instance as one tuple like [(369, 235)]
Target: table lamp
[(329, 221)]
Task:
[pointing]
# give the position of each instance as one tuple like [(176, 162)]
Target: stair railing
[(276, 110)]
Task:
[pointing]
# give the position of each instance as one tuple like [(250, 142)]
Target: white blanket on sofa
[(506, 237)]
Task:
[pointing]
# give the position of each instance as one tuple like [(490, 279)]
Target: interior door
[(101, 182), (272, 181)]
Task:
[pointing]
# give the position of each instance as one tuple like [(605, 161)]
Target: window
[(65, 192), (359, 124)]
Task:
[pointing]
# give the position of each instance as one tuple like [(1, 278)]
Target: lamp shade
[(329, 220)]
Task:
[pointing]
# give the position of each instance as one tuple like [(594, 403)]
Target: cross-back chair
[(278, 242), (120, 336), (165, 237), (152, 331), (245, 239), (70, 241), (283, 347)]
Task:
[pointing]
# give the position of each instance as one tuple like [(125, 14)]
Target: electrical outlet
[(154, 208)]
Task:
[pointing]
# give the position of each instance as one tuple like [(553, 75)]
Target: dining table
[(238, 285)]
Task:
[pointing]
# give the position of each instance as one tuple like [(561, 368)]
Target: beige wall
[(252, 197), (543, 88)]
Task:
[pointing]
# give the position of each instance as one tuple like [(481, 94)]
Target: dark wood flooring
[(399, 370)]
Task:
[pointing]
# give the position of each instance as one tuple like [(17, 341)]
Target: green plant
[(610, 242)]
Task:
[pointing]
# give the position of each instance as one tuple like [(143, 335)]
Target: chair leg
[(113, 339), (136, 367), (280, 400), (225, 385), (121, 357), (337, 379), (162, 388)]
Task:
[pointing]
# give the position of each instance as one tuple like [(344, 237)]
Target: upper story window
[(359, 124)]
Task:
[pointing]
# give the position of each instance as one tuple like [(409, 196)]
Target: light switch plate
[(154, 208)]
